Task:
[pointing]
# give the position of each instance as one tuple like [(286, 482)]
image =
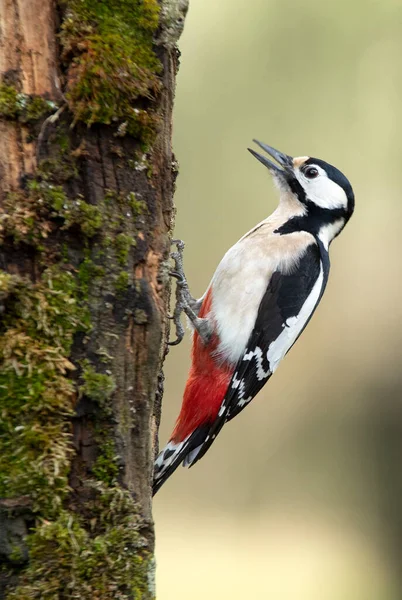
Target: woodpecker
[(260, 299)]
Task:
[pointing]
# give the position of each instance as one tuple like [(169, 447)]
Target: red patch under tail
[(206, 385)]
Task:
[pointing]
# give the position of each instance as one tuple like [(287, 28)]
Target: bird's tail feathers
[(191, 456), (176, 452)]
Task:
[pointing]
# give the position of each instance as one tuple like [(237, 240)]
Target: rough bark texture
[(86, 185)]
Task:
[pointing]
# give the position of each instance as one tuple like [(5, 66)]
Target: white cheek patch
[(324, 192)]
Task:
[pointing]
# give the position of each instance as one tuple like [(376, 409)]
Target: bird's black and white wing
[(285, 309)]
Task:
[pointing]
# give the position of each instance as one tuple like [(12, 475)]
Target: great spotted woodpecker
[(260, 299)]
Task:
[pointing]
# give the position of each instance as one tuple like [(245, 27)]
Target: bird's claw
[(181, 283), (182, 294), (179, 330), (177, 340), (184, 301), (179, 244), (178, 276)]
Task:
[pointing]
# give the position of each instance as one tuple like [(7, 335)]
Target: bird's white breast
[(241, 281)]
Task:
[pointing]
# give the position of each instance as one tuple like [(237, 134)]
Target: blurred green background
[(301, 495)]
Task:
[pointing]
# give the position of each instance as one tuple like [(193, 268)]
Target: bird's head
[(324, 192)]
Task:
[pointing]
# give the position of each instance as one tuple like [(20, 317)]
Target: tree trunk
[(86, 184)]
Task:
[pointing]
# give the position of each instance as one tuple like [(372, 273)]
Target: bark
[(86, 184)]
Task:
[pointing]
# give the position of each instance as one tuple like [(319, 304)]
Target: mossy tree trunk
[(86, 184)]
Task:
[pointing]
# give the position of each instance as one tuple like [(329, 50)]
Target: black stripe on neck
[(313, 221)]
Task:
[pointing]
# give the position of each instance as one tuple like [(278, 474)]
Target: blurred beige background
[(301, 495)]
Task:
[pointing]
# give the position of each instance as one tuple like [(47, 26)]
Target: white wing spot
[(235, 381), (238, 383), (244, 401), (261, 374)]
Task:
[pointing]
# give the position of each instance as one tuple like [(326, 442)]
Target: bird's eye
[(311, 172)]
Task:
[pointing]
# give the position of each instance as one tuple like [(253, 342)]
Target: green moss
[(107, 241), (122, 282), (129, 200), (106, 467), (60, 169), (16, 555), (39, 387), (67, 561), (37, 399), (112, 65), (88, 272), (36, 395), (25, 108), (123, 244), (23, 219), (60, 166), (47, 195), (97, 386), (8, 101), (87, 216), (36, 107), (138, 207), (29, 216), (75, 212), (8, 284)]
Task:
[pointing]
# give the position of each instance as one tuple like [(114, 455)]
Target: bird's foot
[(185, 302)]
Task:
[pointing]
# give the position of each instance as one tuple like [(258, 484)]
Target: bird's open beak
[(285, 161)]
